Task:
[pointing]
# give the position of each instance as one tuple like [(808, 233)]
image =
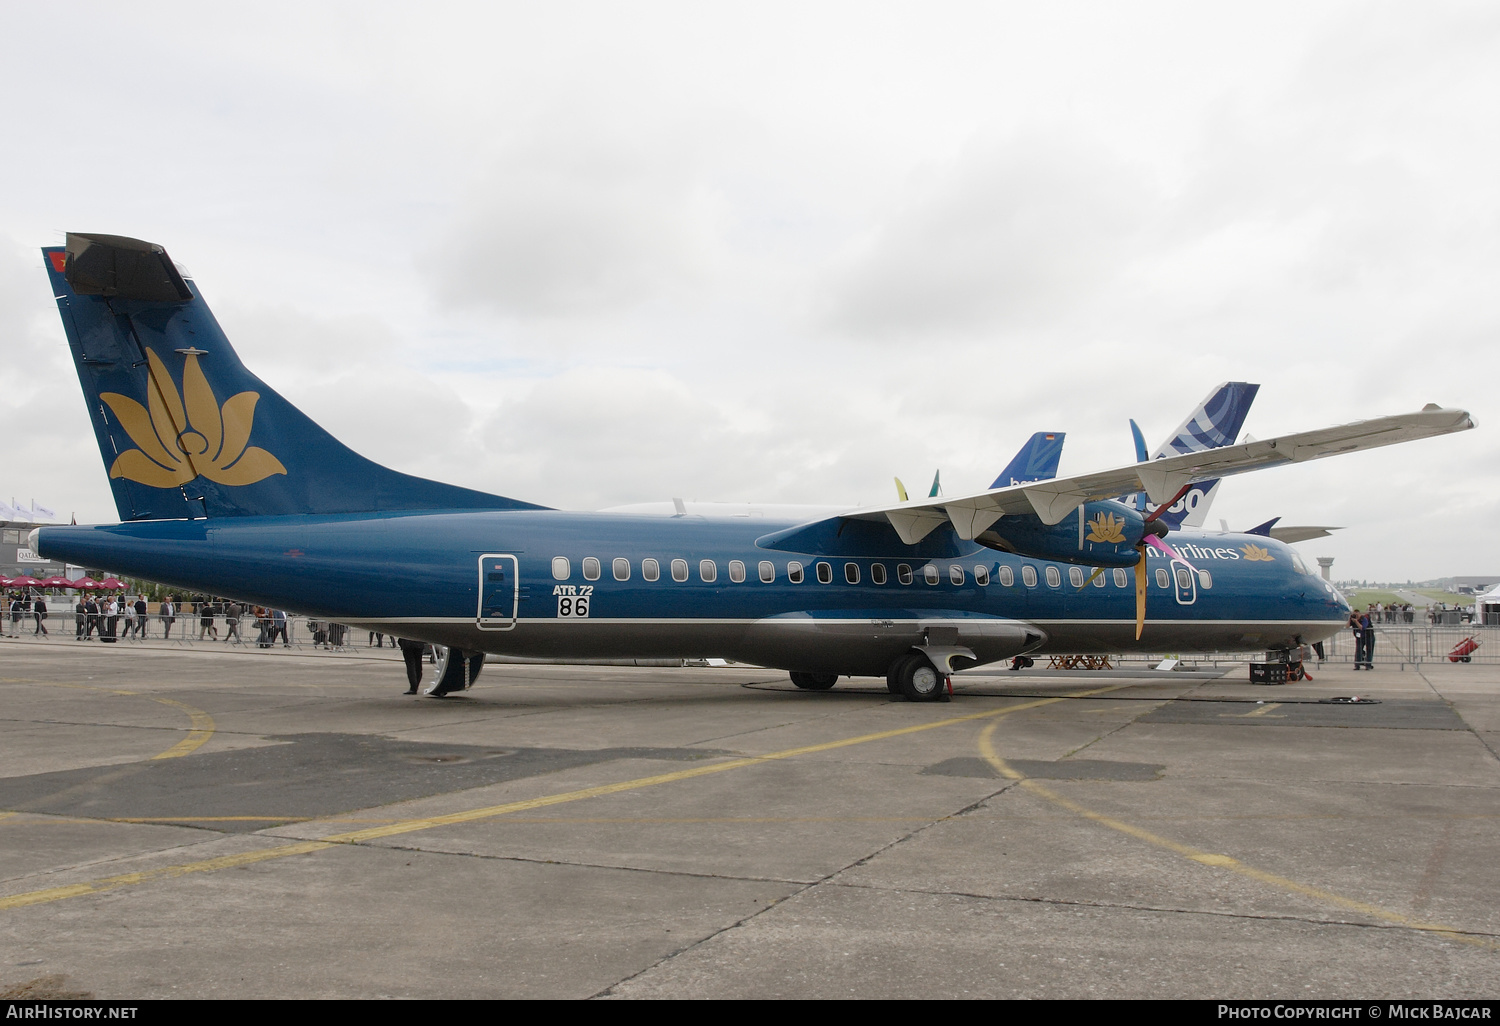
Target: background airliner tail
[(1215, 423), (184, 428), (1037, 460)]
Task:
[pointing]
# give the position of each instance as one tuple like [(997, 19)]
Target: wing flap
[(1052, 501)]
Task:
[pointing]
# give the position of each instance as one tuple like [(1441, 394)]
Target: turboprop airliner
[(223, 486)]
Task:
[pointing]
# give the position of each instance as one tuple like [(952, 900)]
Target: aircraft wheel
[(918, 679), (814, 681)]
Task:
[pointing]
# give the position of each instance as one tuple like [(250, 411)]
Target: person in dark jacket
[(411, 652), (39, 611)]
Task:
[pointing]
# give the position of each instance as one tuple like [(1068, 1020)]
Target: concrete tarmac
[(208, 823)]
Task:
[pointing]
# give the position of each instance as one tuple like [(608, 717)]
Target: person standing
[(278, 626), (111, 614), (232, 621), (91, 608), (127, 613), (168, 615), (17, 610), (206, 620), (141, 617), (411, 652), (39, 610), (1365, 630), (80, 614)]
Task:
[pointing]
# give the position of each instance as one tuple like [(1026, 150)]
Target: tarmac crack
[(826, 878), (1171, 910)]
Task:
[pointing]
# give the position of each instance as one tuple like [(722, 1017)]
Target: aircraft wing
[(1292, 535), (1161, 479)]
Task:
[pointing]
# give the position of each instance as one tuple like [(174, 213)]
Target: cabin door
[(499, 591), (1186, 582)]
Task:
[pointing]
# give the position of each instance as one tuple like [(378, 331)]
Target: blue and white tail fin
[(1215, 423), (1037, 460), (185, 429)]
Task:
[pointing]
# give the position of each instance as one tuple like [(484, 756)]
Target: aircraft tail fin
[(1036, 461), (185, 429)]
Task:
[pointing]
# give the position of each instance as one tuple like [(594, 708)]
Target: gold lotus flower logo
[(1106, 527), (188, 436), (1255, 554)]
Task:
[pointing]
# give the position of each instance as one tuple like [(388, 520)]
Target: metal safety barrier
[(188, 629)]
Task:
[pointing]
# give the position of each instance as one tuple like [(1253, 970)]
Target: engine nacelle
[(1103, 533)]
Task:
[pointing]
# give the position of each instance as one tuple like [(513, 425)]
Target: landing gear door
[(499, 591), (1186, 582)]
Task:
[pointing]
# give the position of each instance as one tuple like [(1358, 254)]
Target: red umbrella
[(113, 583), (24, 582), (6, 581), (57, 581), (85, 584)]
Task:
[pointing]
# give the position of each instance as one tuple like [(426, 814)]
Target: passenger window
[(650, 569), (1007, 577), (825, 573), (956, 575), (767, 571), (708, 570), (736, 571), (930, 574), (903, 573), (851, 573), (982, 576), (590, 569), (794, 572), (1205, 579), (1183, 580), (1028, 576), (1098, 575), (622, 569), (877, 573), (1075, 576), (561, 568), (679, 570), (1122, 579), (1054, 577), (1162, 580)]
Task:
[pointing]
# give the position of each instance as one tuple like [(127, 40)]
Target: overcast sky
[(590, 254)]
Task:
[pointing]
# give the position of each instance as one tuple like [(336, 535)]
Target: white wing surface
[(1160, 479)]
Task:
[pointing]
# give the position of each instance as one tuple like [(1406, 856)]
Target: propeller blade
[(1170, 502), (1140, 594), (1097, 571), (1162, 546)]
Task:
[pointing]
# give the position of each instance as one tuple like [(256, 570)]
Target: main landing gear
[(814, 681), (915, 678)]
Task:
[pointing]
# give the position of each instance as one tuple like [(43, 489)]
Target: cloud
[(1009, 233), (577, 221)]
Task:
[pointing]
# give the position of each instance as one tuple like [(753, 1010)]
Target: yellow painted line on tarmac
[(987, 749), (203, 729), (110, 883), (202, 723), (1259, 712), (407, 826)]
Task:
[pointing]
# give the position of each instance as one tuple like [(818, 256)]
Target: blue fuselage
[(510, 582)]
